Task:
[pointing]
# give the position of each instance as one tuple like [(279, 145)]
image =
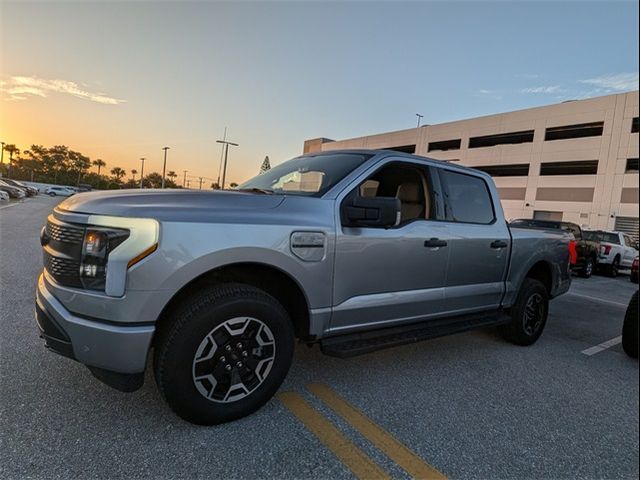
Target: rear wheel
[(630, 328), (528, 314), (587, 270), (224, 354), (52, 194), (614, 268)]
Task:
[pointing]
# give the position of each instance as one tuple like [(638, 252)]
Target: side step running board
[(350, 345)]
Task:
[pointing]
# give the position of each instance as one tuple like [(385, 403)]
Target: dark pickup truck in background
[(586, 248)]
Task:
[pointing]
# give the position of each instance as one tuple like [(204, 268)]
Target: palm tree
[(134, 172), (171, 174), (12, 149), (99, 163), (118, 173)]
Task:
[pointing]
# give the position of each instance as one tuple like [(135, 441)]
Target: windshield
[(311, 176)]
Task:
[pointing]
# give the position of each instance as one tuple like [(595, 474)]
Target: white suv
[(62, 191), (617, 250)]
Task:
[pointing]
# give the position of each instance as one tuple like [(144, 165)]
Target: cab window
[(407, 182)]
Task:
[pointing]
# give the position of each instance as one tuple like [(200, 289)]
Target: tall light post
[(164, 165), (142, 159), (2, 154), (419, 118), (200, 183), (226, 155), (184, 179)]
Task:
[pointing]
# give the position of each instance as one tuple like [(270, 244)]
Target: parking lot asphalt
[(468, 406)]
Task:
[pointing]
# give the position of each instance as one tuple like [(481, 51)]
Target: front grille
[(63, 251), (65, 234), (62, 267)]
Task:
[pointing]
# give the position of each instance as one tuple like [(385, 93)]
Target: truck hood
[(167, 204)]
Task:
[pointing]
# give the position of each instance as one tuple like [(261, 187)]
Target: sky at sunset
[(119, 80)]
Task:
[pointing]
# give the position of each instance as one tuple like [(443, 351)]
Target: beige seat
[(411, 200)]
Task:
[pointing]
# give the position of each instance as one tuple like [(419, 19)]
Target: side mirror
[(371, 212)]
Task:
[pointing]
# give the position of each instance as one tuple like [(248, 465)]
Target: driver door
[(387, 276)]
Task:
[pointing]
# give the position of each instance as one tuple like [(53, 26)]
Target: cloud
[(547, 89), (21, 88), (614, 82)]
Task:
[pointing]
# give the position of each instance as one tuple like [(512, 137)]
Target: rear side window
[(468, 198)]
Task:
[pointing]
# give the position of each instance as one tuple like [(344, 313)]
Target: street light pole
[(2, 154), (226, 155), (142, 172), (164, 165), (200, 183), (184, 179), (419, 118)]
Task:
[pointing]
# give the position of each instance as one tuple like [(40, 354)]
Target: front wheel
[(51, 194), (528, 314), (223, 353)]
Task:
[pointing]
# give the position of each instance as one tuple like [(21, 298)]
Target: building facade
[(575, 161)]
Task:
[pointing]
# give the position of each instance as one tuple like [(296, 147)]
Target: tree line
[(62, 166)]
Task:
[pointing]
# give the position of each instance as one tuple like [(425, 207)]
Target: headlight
[(119, 243), (97, 244)]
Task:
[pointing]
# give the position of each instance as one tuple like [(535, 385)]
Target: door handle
[(499, 244), (435, 243)]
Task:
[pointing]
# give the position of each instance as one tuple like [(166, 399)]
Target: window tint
[(468, 198), (406, 182), (307, 175)]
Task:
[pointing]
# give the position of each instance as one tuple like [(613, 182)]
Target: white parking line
[(596, 299), (603, 346), (7, 206)]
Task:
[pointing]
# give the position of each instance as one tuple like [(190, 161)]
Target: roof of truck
[(386, 153)]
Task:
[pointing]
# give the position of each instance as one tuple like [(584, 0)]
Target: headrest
[(409, 192)]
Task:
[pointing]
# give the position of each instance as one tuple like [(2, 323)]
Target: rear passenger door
[(479, 243)]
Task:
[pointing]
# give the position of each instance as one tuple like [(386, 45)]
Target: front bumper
[(101, 345)]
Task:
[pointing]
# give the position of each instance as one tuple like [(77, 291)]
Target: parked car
[(4, 196), (59, 191), (630, 328), (617, 250), (13, 192), (84, 187), (586, 249), (30, 191), (633, 276), (355, 250)]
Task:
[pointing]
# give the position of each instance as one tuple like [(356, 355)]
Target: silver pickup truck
[(353, 250)]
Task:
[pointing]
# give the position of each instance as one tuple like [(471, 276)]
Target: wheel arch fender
[(274, 272)]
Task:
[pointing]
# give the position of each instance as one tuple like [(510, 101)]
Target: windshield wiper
[(265, 191)]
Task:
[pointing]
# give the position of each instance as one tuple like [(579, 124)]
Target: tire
[(630, 328), (51, 194), (587, 270), (528, 314), (201, 351), (614, 267)]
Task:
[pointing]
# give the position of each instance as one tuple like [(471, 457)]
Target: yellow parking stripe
[(396, 451), (354, 458)]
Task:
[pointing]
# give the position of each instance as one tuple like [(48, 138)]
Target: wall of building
[(593, 200)]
